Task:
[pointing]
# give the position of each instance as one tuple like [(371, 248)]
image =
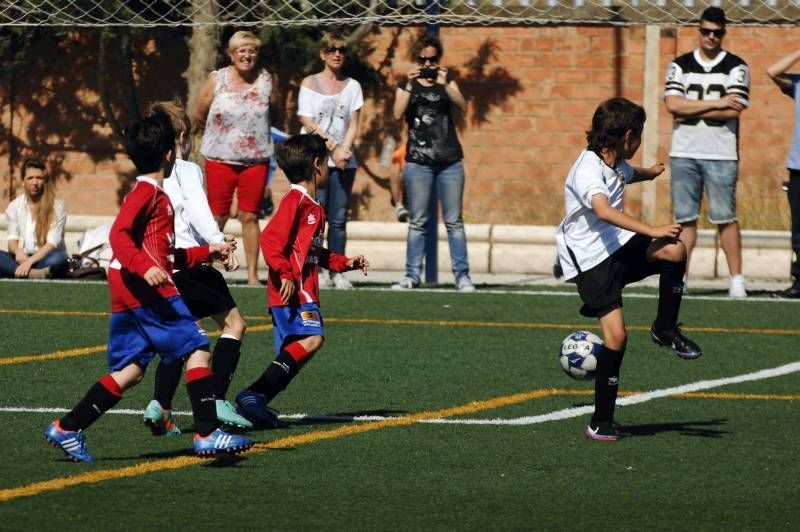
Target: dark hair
[(611, 120), (296, 156), (424, 41), (32, 162), (714, 15), (148, 140)]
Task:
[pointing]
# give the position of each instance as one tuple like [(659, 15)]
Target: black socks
[(670, 293), (223, 364), (277, 376), (168, 376), (97, 401), (606, 385)]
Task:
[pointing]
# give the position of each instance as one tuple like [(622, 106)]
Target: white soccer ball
[(579, 352)]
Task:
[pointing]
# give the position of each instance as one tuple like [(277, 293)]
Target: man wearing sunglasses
[(706, 90)]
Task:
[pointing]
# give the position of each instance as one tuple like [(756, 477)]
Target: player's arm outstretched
[(647, 174), (609, 214)]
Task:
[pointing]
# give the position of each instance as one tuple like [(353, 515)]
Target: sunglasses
[(705, 32), (333, 49), (422, 59)]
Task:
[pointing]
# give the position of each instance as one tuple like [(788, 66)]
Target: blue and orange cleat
[(220, 442), (72, 443)]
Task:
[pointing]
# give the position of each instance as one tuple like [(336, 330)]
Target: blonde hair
[(45, 213), (241, 38), (176, 112), (329, 40)]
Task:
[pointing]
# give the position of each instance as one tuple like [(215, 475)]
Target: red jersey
[(143, 236), (292, 247)]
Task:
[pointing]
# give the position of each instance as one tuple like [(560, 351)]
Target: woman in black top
[(433, 159)]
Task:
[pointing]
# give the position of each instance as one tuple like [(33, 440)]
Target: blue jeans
[(56, 260), (689, 176), (334, 199), (419, 181)]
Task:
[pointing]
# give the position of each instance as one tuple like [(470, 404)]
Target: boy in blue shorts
[(148, 315), (602, 249), (292, 248)]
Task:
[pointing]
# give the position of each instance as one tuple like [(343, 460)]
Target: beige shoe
[(39, 273)]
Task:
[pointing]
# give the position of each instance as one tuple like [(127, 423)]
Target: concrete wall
[(523, 249)]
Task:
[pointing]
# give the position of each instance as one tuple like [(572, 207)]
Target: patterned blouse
[(237, 126)]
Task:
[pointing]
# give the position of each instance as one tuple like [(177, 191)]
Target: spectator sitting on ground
[(396, 184), (35, 224)]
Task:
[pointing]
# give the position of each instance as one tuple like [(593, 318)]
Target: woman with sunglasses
[(433, 160), (328, 105)]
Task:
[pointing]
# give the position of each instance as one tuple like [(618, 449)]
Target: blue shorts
[(689, 176), (165, 327), (298, 322)]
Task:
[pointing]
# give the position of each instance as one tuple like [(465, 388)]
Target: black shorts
[(204, 291), (601, 287)]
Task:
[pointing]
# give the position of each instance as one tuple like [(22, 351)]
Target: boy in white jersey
[(602, 249), (706, 90), (202, 287)]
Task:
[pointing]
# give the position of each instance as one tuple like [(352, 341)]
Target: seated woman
[(35, 222)]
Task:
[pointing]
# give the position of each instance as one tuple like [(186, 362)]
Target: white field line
[(557, 415)]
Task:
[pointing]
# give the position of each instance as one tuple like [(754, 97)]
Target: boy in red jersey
[(292, 248), (148, 315)]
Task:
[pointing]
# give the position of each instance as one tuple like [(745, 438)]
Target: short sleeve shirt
[(690, 76), (331, 112), (584, 240)]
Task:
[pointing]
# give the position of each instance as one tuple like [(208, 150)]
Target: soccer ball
[(579, 352)]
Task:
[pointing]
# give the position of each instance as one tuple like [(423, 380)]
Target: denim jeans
[(690, 176), (334, 199), (56, 260), (419, 181)]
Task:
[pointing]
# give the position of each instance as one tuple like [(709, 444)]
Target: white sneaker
[(737, 288), (465, 284), (406, 283), (340, 281)]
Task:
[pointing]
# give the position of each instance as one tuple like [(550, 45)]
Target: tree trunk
[(202, 48)]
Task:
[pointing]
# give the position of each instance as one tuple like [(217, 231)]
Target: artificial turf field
[(428, 410)]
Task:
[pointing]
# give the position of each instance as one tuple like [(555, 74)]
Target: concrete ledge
[(509, 249)]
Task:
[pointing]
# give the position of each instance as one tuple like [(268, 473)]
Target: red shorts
[(223, 178)]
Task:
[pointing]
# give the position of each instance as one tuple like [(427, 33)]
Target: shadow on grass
[(700, 429)]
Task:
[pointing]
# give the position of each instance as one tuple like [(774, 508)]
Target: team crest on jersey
[(310, 318), (311, 220)]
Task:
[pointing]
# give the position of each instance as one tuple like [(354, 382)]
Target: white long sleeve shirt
[(194, 223), (21, 226)]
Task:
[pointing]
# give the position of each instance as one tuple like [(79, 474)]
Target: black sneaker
[(793, 292), (675, 340), (602, 432)]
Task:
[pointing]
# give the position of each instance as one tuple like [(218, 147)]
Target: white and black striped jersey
[(689, 76)]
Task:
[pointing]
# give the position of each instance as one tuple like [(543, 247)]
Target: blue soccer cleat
[(253, 406), (220, 442), (72, 443)]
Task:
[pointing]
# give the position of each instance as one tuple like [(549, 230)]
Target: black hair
[(424, 41), (714, 15), (32, 162), (148, 140), (296, 156), (611, 120)]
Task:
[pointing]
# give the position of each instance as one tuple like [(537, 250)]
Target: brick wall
[(531, 95)]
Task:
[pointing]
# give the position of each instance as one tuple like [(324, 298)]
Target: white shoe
[(737, 288), (401, 212), (340, 281), (406, 283), (465, 284)]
